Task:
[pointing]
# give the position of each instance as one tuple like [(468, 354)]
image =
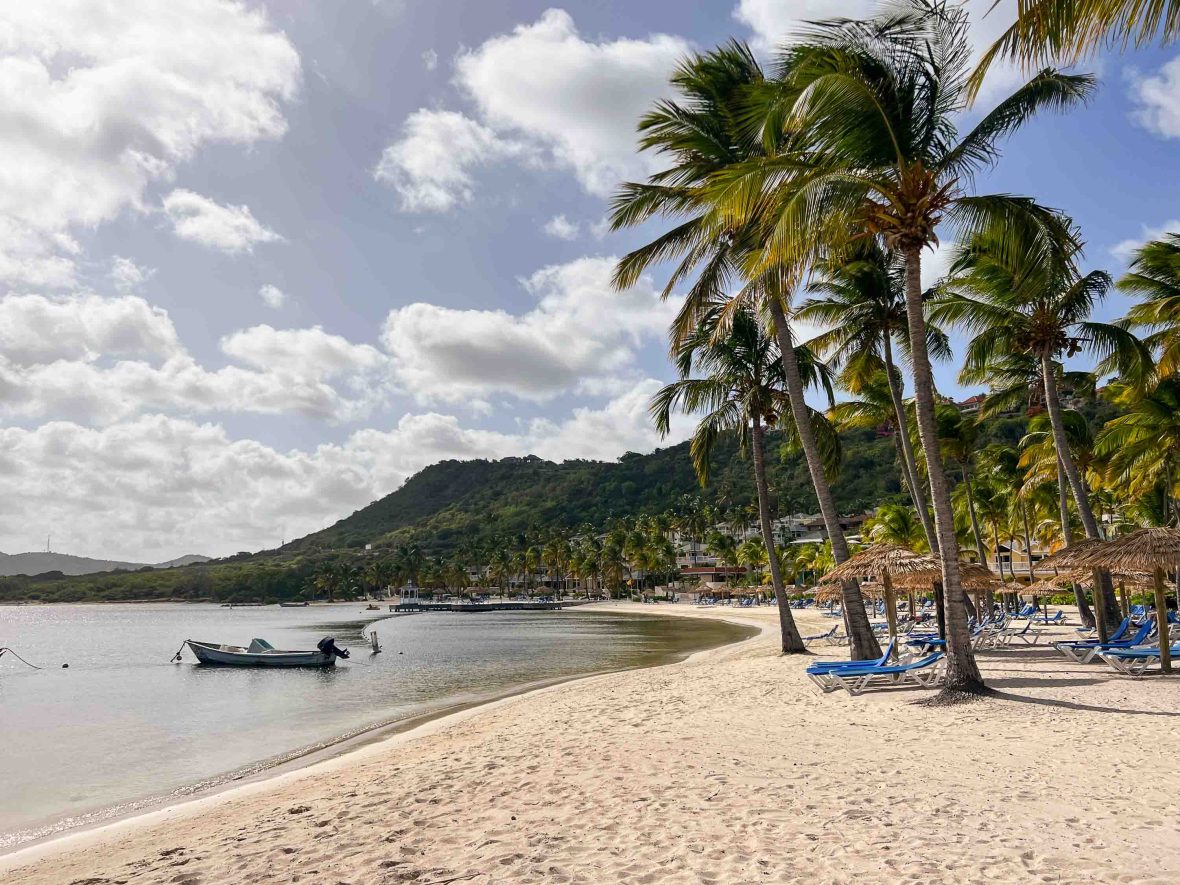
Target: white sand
[(728, 767)]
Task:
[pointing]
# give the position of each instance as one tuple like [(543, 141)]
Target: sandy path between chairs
[(728, 767)]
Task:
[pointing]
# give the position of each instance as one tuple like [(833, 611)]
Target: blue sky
[(263, 261)]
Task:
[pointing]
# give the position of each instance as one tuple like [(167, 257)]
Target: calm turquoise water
[(123, 727)]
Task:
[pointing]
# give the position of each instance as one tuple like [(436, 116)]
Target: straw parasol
[(925, 570), (882, 561), (1072, 558), (1155, 550), (830, 592), (1043, 587)]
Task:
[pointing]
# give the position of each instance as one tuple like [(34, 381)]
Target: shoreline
[(305, 762), (728, 766)]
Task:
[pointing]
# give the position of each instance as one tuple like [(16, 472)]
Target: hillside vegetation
[(456, 503)]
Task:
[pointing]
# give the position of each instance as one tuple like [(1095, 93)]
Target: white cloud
[(99, 100), (936, 262), (35, 329), (561, 228), (1158, 100), (579, 99), (101, 360), (127, 276), (102, 394), (232, 229), (272, 295), (579, 333), (430, 59), (542, 94), (430, 165), (312, 352), (156, 486), (37, 258), (1126, 248), (772, 21), (622, 425)]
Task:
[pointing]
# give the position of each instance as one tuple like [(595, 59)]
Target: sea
[(123, 728)]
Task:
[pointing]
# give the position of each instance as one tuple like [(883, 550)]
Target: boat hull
[(214, 655)]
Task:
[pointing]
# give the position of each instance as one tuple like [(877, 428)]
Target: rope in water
[(19, 658)]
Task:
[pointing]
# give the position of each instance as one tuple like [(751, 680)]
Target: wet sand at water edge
[(727, 767)]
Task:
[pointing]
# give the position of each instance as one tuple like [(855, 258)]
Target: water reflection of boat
[(261, 653)]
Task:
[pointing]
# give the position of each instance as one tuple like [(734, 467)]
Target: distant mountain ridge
[(40, 563)]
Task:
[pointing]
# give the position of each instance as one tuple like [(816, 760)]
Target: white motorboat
[(261, 653)]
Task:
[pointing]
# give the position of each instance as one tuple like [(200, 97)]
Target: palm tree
[(703, 133), (1143, 446), (958, 435), (723, 548), (325, 580), (868, 111), (741, 392), (501, 567), (897, 525), (1155, 275), (753, 555), (863, 302), (612, 563), (1001, 466), (1028, 298), (993, 506), (1070, 30)]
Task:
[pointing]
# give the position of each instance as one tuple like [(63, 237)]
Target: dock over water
[(408, 606)]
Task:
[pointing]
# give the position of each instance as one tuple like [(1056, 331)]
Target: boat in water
[(261, 653)]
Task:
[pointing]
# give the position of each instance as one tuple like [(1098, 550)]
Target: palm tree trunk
[(1079, 594), (1061, 444), (890, 606), (1161, 622), (962, 673), (791, 640), (1027, 541), (999, 562), (917, 492), (863, 644), (979, 546), (1103, 588)]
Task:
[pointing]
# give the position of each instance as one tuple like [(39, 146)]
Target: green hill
[(454, 504)]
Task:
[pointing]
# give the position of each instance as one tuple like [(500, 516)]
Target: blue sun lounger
[(1135, 661), (1058, 618), (1083, 651), (923, 673), (822, 637), (1025, 634), (820, 671)]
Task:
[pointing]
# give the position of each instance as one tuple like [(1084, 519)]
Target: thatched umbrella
[(925, 572), (1043, 587), (882, 561), (897, 567), (1086, 578), (1075, 557), (1155, 550)]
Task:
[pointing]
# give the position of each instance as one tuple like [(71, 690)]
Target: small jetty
[(415, 605)]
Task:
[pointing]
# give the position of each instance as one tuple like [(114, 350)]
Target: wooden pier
[(409, 606)]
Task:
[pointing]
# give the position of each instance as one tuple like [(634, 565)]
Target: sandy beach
[(727, 767)]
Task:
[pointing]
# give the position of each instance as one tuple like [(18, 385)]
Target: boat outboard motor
[(327, 646)]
